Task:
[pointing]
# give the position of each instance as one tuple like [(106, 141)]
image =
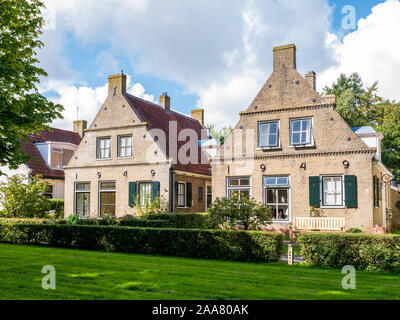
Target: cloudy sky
[(207, 53)]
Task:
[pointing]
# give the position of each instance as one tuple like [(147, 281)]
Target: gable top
[(159, 118), (285, 87), (38, 165)]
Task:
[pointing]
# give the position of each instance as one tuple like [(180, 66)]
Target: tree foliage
[(22, 108), (219, 134), (362, 106), (24, 200), (231, 212)]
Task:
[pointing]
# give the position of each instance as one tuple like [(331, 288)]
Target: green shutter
[(314, 192), (188, 194), (132, 193), (350, 187), (155, 190)]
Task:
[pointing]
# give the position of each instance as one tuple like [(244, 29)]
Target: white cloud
[(87, 99), (372, 50), (219, 50)]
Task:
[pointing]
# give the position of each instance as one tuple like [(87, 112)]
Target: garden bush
[(32, 221), (363, 251), (193, 243), (123, 222), (57, 206)]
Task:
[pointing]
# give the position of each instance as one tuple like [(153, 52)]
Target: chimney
[(311, 78), (79, 127), (284, 57), (165, 101), (117, 84), (198, 114)]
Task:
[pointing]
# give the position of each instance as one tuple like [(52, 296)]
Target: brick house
[(292, 151), (50, 150), (134, 150)]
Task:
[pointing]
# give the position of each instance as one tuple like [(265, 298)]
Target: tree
[(219, 134), (230, 212), (24, 200), (361, 106), (22, 108)]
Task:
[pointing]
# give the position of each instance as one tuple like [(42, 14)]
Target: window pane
[(304, 125), (296, 125), (82, 186), (282, 181), (273, 128), (271, 196), (270, 181), (245, 194), (244, 182), (233, 182), (282, 212), (107, 185), (296, 138), (273, 140), (283, 196)]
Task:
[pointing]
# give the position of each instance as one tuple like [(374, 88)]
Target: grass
[(100, 275)]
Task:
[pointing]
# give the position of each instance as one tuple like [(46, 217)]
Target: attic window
[(56, 150)]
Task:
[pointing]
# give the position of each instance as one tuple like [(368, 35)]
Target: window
[(201, 192), (209, 196), (49, 192), (144, 193), (239, 187), (107, 198), (124, 146), (332, 189), (377, 192), (82, 199), (276, 195), (181, 195), (301, 132), (268, 134), (104, 148)]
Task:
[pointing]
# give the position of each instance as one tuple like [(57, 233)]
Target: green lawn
[(99, 275)]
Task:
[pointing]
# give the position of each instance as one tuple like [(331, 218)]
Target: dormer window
[(268, 134), (301, 132)]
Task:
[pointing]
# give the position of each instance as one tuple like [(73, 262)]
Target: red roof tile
[(38, 164), (159, 118)]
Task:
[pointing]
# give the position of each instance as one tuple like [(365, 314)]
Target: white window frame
[(184, 195), (98, 148), (239, 188), (148, 184), (268, 146), (126, 147), (322, 192), (107, 190), (275, 187), (75, 197), (310, 133)]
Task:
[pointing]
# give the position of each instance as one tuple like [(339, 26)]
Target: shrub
[(57, 206), (126, 222), (72, 219), (354, 230), (156, 205), (210, 244), (230, 212), (363, 251), (24, 200)]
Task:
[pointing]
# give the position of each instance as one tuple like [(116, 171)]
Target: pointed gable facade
[(292, 151)]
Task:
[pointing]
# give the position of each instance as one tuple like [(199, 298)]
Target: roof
[(159, 118), (38, 165), (364, 130)]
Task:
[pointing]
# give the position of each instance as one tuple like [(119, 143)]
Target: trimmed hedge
[(363, 251), (210, 244), (32, 221), (125, 223), (57, 205), (186, 220)]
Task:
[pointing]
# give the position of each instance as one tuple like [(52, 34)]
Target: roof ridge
[(160, 107)]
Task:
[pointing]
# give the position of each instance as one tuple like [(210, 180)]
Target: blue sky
[(205, 54)]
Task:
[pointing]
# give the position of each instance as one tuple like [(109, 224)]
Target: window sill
[(121, 158), (333, 207), (269, 148), (104, 159), (305, 146), (280, 221)]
